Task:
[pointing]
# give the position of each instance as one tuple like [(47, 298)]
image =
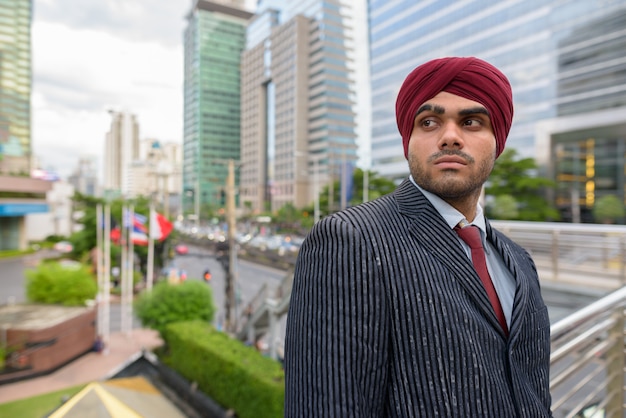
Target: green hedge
[(55, 283), (234, 375), (168, 303)]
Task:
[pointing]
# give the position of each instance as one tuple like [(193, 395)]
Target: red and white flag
[(160, 227)]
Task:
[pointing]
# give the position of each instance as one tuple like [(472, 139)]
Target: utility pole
[(230, 320), (197, 202)]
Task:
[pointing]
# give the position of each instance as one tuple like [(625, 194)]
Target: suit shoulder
[(375, 211)]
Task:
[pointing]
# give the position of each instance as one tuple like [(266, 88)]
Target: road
[(561, 300), (250, 277), (12, 276)]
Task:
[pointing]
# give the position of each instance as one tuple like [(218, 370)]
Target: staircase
[(262, 314)]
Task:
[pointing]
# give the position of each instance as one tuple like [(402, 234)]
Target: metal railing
[(562, 251), (587, 360)]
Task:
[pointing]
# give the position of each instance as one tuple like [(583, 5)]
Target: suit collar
[(512, 259), (433, 233)]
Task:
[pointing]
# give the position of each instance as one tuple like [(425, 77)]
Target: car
[(63, 247), (181, 249)]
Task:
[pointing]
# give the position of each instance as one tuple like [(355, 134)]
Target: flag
[(347, 183), (116, 235), (139, 232), (116, 231), (137, 219), (160, 227)]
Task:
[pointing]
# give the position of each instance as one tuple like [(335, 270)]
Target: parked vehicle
[(181, 249)]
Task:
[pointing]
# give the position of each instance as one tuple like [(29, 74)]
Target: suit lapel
[(432, 233), (512, 262)]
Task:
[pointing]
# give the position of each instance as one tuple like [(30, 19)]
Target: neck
[(465, 205)]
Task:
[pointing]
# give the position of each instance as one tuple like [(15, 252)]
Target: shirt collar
[(452, 216)]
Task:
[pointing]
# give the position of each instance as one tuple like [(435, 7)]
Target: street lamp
[(316, 195)]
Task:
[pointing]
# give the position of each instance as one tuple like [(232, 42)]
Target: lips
[(450, 161)]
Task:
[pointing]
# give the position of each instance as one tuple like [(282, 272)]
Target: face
[(452, 148)]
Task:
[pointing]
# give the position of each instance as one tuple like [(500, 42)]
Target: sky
[(90, 57)]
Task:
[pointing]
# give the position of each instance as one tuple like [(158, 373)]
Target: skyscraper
[(121, 150), (15, 86), (84, 178), (214, 39), (21, 195), (298, 118), (566, 62)]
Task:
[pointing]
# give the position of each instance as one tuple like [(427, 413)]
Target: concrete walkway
[(122, 349)]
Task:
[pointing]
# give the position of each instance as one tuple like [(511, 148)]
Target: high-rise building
[(566, 62), (156, 174), (298, 110), (15, 86), (585, 144), (214, 40), (84, 178), (21, 195), (121, 150)]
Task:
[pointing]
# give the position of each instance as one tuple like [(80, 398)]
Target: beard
[(449, 184)]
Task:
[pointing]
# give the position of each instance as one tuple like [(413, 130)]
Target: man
[(392, 314)]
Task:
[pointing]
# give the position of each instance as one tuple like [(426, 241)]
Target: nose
[(451, 136)]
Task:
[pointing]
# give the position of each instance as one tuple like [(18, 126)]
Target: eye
[(473, 123), (428, 123)]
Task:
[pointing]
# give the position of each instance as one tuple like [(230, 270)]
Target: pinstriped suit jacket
[(388, 318)]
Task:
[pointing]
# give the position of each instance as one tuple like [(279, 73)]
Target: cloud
[(79, 73), (93, 56), (135, 20)]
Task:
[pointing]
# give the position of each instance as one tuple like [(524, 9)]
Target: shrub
[(167, 303), (234, 375), (608, 209), (64, 284)]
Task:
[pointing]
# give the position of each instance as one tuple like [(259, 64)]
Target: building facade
[(566, 62), (15, 86), (156, 174), (121, 150), (298, 111), (84, 178), (20, 195), (58, 220), (214, 39)]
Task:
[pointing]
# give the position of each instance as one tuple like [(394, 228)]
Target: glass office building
[(214, 40), (298, 117), (15, 86), (566, 62)]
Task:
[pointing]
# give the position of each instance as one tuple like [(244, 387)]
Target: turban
[(471, 78)]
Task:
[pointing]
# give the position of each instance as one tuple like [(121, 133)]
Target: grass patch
[(15, 253), (37, 406)]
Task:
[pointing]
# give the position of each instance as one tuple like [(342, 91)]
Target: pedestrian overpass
[(587, 378)]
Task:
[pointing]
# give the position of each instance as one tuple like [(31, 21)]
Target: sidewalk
[(122, 349)]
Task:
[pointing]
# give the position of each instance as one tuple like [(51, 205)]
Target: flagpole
[(126, 236), (150, 269), (128, 289), (107, 278), (99, 268), (127, 269)]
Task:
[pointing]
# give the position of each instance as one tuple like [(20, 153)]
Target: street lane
[(12, 275), (250, 278), (561, 300)]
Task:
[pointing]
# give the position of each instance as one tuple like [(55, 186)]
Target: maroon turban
[(471, 78)]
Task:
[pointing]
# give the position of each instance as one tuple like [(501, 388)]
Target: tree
[(516, 177), (85, 239), (288, 218), (168, 303), (505, 207), (608, 210), (377, 186), (69, 284)]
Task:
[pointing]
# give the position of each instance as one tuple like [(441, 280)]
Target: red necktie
[(471, 235)]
